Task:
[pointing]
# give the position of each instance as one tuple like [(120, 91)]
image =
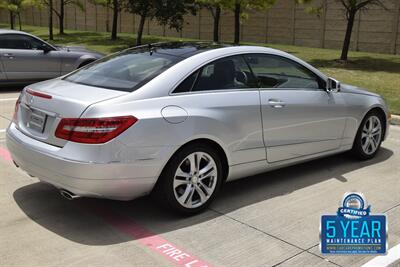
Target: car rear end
[(52, 138), (49, 139)]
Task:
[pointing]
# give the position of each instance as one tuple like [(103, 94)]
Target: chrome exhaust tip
[(68, 195)]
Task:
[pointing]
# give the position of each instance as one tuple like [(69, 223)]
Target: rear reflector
[(38, 94), (93, 130), (16, 108)]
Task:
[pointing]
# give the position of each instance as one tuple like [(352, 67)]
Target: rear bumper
[(116, 180)]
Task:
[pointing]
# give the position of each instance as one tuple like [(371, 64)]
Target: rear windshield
[(125, 71)]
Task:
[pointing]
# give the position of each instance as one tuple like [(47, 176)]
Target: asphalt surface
[(268, 219)]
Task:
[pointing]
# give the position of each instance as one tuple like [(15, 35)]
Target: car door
[(28, 58), (222, 100), (300, 117), (3, 76)]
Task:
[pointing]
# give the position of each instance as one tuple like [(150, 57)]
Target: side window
[(35, 43), (18, 41), (227, 73), (3, 41), (279, 72), (187, 84), (6, 41)]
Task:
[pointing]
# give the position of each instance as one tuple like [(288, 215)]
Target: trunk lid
[(38, 115)]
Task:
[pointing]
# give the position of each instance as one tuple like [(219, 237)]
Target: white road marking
[(392, 256), (3, 130), (8, 99)]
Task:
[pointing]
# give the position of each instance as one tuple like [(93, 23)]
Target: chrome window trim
[(216, 91)]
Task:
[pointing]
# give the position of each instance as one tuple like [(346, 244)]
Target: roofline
[(182, 56)]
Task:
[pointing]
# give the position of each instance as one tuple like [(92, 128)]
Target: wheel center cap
[(195, 179)]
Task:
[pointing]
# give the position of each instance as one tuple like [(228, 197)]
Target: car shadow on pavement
[(79, 220)]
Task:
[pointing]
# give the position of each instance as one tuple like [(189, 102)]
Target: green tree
[(145, 10), (239, 7), (50, 10), (116, 6), (172, 12), (215, 7), (14, 7), (166, 12), (352, 7), (49, 4), (61, 12)]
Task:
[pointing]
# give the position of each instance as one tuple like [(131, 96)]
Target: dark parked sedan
[(25, 58)]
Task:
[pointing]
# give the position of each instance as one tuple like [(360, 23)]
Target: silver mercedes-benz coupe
[(25, 58), (180, 119)]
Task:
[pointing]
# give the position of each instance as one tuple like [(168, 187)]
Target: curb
[(395, 120)]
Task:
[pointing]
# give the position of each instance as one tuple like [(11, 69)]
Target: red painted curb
[(5, 155), (150, 240)]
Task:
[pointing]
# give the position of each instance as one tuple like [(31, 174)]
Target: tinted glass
[(227, 73), (185, 49), (278, 72), (125, 71), (18, 41), (187, 84)]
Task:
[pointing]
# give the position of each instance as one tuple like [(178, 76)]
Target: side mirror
[(333, 85), (45, 48)]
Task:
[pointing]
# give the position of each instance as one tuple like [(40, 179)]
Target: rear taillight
[(93, 130)]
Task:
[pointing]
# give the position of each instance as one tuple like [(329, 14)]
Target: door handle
[(275, 103), (9, 55)]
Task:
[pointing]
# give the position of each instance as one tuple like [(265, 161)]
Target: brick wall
[(375, 30)]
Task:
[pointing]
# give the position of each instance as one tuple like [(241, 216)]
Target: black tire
[(165, 191), (357, 149)]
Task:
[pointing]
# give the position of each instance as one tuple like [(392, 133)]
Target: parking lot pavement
[(7, 103), (268, 219)]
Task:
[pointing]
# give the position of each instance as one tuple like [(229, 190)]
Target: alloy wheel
[(371, 135), (195, 180)]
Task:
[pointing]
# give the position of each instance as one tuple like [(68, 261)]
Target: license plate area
[(36, 120)]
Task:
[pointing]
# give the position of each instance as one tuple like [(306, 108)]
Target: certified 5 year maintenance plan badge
[(353, 230)]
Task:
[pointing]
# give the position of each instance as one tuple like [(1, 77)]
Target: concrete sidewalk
[(395, 120)]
